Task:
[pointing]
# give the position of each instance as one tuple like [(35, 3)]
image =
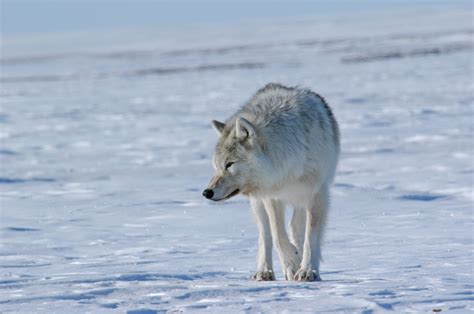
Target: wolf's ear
[(219, 126), (244, 128)]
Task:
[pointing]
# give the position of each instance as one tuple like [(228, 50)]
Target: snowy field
[(106, 145)]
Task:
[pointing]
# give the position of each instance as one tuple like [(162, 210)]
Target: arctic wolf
[(281, 148)]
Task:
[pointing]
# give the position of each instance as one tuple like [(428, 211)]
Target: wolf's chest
[(296, 192)]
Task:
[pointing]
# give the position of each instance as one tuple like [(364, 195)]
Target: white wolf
[(280, 148)]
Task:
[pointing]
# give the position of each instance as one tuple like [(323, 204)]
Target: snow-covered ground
[(106, 146)]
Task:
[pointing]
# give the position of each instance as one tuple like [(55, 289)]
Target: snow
[(106, 145)]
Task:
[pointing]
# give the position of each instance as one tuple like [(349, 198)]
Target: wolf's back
[(291, 112)]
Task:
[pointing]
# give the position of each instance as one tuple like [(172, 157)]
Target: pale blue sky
[(30, 16)]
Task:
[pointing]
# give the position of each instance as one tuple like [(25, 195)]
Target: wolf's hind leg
[(296, 226), (315, 222), (264, 255), (289, 257)]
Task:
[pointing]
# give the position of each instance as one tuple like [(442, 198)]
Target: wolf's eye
[(228, 165)]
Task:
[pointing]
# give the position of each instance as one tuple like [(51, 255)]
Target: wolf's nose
[(208, 193)]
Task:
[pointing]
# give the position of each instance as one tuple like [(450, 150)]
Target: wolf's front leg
[(264, 255), (315, 222), (290, 260)]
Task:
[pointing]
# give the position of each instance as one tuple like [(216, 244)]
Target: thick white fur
[(279, 149)]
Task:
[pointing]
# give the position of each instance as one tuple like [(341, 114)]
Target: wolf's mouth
[(229, 196)]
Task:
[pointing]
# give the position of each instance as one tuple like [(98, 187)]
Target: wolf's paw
[(263, 275), (290, 269), (307, 275), (289, 273), (291, 264)]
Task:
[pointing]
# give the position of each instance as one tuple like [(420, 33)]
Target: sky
[(33, 16)]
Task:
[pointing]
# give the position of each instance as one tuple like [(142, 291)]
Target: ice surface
[(106, 145)]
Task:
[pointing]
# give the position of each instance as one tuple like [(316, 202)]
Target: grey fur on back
[(274, 104), (296, 116)]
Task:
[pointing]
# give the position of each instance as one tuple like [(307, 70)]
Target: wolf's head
[(237, 160)]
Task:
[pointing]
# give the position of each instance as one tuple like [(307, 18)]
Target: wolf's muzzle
[(208, 193)]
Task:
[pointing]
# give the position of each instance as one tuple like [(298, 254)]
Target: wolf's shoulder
[(272, 90), (271, 95), (272, 87), (280, 96)]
